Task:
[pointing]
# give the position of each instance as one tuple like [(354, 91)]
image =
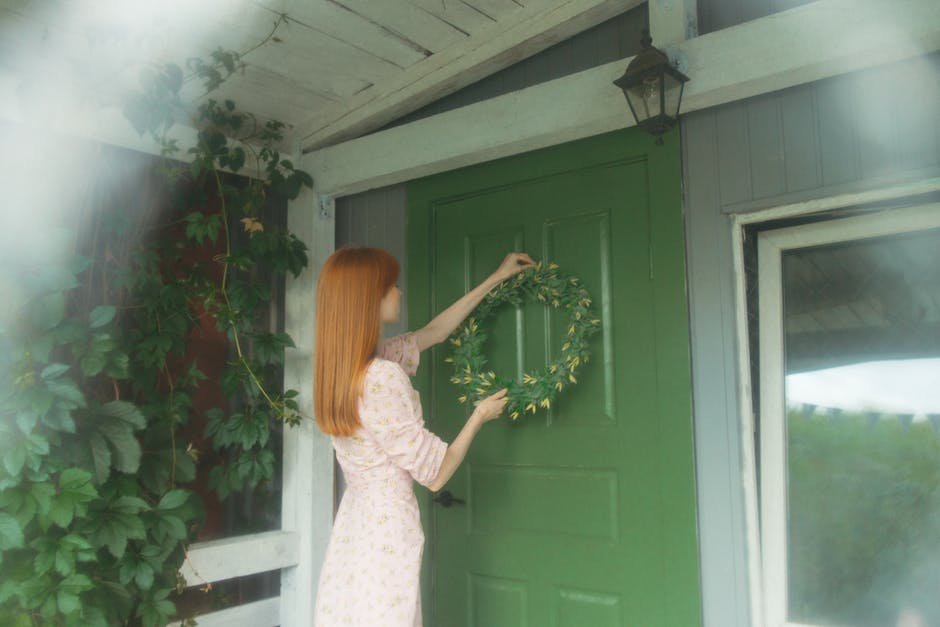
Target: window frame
[(767, 502)]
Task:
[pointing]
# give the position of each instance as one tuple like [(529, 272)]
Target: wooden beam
[(810, 43), (521, 34), (672, 21), (226, 558)]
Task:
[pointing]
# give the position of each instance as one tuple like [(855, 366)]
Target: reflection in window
[(862, 338)]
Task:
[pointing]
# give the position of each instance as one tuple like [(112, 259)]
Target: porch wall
[(377, 218), (717, 14), (856, 132)]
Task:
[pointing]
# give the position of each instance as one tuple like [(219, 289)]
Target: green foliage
[(64, 443), (544, 284), (96, 387), (864, 520)]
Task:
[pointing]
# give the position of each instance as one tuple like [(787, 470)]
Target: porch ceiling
[(329, 69)]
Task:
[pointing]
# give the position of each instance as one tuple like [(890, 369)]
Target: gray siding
[(851, 132), (717, 14), (377, 218), (860, 131)]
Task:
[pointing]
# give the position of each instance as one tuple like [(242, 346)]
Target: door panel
[(582, 514)]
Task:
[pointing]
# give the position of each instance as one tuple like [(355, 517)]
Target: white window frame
[(767, 532)]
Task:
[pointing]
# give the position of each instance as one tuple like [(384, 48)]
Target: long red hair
[(352, 283)]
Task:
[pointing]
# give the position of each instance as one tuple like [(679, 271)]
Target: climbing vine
[(98, 375)]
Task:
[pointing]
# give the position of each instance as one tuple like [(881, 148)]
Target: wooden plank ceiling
[(329, 69)]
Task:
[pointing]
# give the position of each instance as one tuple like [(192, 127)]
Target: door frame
[(885, 204)]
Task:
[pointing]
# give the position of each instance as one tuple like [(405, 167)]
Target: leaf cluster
[(96, 389), (84, 540), (546, 284), (231, 140)]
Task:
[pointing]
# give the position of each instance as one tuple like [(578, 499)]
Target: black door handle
[(446, 499)]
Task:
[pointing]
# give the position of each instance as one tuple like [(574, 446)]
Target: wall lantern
[(653, 87)]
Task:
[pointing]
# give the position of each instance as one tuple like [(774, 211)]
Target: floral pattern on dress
[(370, 576), (402, 349)]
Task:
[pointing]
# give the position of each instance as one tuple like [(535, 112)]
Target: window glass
[(862, 359)]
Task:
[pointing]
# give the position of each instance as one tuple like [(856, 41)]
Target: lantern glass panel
[(645, 97), (674, 89)]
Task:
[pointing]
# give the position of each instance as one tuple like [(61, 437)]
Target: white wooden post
[(672, 21), (307, 501)]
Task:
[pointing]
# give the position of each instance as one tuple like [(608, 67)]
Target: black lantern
[(653, 87)]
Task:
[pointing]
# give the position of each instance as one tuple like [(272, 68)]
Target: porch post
[(307, 500), (672, 21)]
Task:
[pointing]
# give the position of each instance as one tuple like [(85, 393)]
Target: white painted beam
[(263, 613), (239, 556), (307, 491), (806, 44), (523, 33), (672, 21)]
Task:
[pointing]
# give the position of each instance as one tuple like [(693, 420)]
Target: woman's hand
[(437, 330), (513, 264), (491, 407), (487, 409)]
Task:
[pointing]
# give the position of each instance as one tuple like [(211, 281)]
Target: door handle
[(446, 499)]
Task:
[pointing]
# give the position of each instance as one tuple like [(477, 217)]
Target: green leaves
[(69, 589), (169, 515), (92, 385), (200, 226), (156, 610), (111, 437), (174, 499), (116, 522), (54, 370), (75, 492), (250, 468), (153, 109), (101, 315), (11, 534), (61, 554), (269, 347), (93, 356)]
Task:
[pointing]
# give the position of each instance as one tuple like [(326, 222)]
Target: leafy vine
[(547, 284), (99, 376)]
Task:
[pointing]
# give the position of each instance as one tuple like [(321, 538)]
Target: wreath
[(545, 284)]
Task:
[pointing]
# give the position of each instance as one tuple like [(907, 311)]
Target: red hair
[(351, 286)]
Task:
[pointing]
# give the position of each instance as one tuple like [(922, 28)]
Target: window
[(849, 420)]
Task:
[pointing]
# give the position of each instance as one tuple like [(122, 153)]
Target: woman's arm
[(438, 329), (488, 409)]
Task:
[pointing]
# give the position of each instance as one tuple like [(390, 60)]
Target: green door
[(584, 515)]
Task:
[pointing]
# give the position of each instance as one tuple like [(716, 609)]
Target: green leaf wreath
[(544, 284)]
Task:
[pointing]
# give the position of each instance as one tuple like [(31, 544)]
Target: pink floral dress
[(373, 561)]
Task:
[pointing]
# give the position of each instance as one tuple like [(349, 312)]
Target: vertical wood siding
[(717, 14), (850, 133), (377, 218)]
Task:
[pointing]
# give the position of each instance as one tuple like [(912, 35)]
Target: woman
[(364, 400)]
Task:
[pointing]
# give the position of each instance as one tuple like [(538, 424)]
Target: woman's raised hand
[(513, 264), (492, 406)]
